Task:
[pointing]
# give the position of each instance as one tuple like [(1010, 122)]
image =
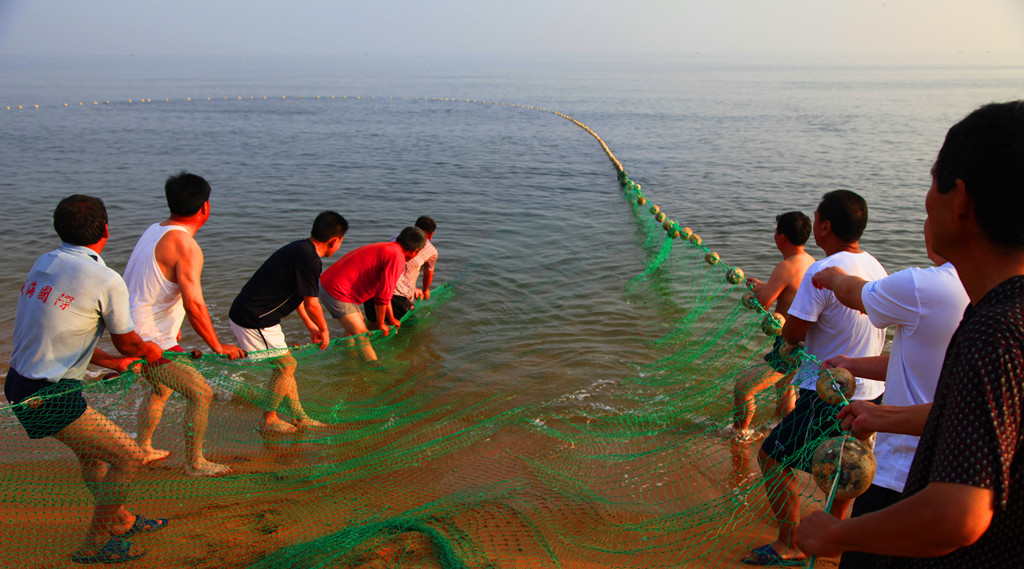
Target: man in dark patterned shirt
[(963, 505)]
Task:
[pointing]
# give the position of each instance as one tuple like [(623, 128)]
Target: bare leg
[(98, 442), (786, 401), (754, 381), (149, 417), (284, 389), (287, 388), (354, 325), (780, 485), (187, 381)]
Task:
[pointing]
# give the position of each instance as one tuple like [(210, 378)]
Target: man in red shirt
[(368, 273)]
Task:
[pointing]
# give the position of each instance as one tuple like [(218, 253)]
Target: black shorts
[(811, 420), (44, 408), (876, 498), (399, 306), (776, 360)]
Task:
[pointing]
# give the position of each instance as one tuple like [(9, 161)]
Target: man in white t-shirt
[(925, 306), (828, 329)]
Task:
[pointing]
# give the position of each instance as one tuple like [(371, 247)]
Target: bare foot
[(125, 520), (277, 427), (205, 468), (308, 423), (154, 454)]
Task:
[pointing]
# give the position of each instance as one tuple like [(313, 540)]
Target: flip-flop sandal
[(144, 525), (766, 555), (115, 551)]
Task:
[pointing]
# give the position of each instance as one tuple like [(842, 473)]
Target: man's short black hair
[(328, 225), (186, 193), (80, 220), (986, 151), (847, 212), (411, 239), (794, 225), (426, 224)]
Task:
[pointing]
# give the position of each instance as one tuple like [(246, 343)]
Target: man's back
[(368, 272), (68, 299), (155, 300), (406, 285), (838, 330), (925, 307), (278, 287), (791, 271)]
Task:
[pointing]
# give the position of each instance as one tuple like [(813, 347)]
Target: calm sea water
[(531, 225)]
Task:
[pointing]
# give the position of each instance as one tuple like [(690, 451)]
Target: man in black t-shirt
[(288, 281), (963, 504)]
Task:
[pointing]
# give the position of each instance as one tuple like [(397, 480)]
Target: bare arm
[(847, 288), (956, 516), (428, 277), (313, 317), (871, 367), (132, 345), (767, 293), (865, 418), (795, 329), (110, 361), (187, 270)]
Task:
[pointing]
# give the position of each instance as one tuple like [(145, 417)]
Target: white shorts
[(261, 343)]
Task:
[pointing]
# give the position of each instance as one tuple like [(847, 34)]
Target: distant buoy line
[(771, 322)]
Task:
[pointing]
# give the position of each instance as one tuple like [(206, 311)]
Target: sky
[(242, 27)]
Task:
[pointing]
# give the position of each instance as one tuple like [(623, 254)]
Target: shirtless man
[(163, 276), (791, 232)]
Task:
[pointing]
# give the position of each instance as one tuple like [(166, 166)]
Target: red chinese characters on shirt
[(63, 301)]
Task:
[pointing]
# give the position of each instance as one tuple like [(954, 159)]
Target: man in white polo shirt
[(69, 298)]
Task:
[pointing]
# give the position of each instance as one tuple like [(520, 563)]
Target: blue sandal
[(115, 551), (766, 555), (144, 525)]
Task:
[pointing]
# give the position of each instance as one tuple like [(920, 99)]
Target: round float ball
[(834, 384), (772, 324), (790, 353), (668, 225), (749, 300), (711, 257), (655, 209), (641, 200), (673, 233), (659, 217), (847, 458), (686, 232), (695, 239), (735, 275)]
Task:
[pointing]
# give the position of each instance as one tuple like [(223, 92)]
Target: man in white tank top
[(163, 276)]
